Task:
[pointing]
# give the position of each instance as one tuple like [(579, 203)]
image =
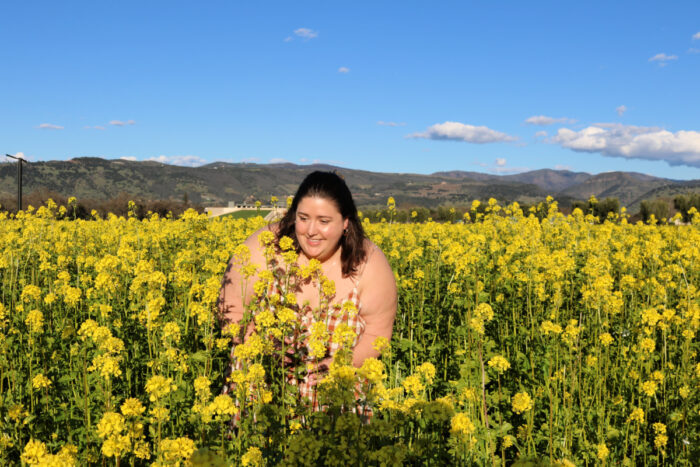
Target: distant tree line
[(415, 214), (661, 208), (83, 208), (684, 203), (602, 209), (608, 208), (442, 213), (450, 213)]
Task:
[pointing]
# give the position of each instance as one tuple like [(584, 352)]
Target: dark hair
[(330, 186)]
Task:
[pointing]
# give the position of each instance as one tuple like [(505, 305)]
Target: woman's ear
[(346, 221)]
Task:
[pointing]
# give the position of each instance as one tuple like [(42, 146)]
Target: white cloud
[(278, 160), (343, 69), (96, 127), (696, 35), (621, 110), (50, 126), (250, 160), (541, 134), (187, 161), (382, 123), (663, 58), (306, 33), (455, 131), (634, 142), (544, 120), (562, 167), (128, 158), (288, 39), (693, 50), (120, 123), (500, 162)]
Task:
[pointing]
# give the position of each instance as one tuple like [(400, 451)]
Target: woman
[(323, 223)]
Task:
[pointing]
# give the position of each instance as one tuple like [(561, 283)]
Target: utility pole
[(19, 180)]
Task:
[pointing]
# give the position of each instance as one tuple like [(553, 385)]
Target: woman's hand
[(319, 371)]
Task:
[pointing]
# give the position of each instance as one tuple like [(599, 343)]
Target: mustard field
[(549, 339)]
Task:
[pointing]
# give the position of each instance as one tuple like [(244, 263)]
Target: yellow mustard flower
[(111, 423), (380, 344), (606, 339), (602, 451), (177, 450), (40, 381), (252, 457), (132, 407), (412, 384), (499, 363), (522, 402), (373, 370), (35, 321), (33, 452), (461, 425), (649, 387), (637, 415), (427, 371), (159, 386)]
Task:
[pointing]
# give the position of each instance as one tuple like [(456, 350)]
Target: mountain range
[(218, 183)]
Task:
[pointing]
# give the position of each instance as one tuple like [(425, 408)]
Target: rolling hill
[(221, 182)]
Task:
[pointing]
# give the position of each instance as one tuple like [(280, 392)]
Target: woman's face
[(319, 227)]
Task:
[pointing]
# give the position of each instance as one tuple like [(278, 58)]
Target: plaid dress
[(332, 318)]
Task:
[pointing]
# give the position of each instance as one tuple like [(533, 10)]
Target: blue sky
[(497, 87)]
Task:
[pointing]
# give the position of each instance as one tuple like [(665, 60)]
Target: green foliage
[(609, 207), (657, 208), (684, 203), (247, 214)]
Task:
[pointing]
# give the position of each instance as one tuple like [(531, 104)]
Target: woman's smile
[(319, 227)]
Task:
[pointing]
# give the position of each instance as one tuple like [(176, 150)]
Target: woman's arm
[(236, 289), (377, 291)]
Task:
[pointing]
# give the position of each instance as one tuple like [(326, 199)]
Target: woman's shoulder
[(370, 249), (377, 284), (376, 265)]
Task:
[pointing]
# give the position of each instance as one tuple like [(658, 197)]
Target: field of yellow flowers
[(549, 338)]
